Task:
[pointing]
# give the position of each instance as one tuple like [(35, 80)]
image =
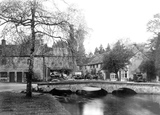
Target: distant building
[(125, 74), (95, 64)]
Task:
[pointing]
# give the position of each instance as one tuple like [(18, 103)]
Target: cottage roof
[(58, 52), (8, 50), (58, 58), (97, 59)]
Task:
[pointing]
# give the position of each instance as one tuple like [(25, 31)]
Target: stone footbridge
[(109, 86)]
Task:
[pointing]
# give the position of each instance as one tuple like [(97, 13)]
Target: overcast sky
[(111, 20)]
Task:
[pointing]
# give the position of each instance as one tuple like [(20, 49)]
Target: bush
[(36, 78)]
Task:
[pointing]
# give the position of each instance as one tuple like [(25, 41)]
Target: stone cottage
[(14, 65), (95, 65)]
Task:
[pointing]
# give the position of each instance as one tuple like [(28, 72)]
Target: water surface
[(112, 105)]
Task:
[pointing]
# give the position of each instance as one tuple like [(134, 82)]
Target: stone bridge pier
[(144, 88)]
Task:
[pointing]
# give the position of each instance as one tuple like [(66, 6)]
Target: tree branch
[(4, 23), (40, 32), (51, 24)]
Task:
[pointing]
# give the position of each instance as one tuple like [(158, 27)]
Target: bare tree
[(29, 18)]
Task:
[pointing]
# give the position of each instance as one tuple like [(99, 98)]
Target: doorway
[(19, 76), (11, 76)]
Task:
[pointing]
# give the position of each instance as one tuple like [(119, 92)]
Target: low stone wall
[(145, 88)]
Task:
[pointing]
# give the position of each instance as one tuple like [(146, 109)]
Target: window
[(3, 74), (113, 76), (122, 73), (125, 74)]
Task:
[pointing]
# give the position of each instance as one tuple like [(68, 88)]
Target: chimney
[(3, 42)]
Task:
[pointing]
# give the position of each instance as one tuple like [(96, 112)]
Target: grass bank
[(12, 103)]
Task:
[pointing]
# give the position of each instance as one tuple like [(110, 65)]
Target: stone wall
[(145, 88), (20, 64)]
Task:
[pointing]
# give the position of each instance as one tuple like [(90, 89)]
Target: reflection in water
[(145, 105), (113, 105), (94, 107)]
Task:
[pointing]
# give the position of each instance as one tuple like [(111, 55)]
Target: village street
[(13, 86)]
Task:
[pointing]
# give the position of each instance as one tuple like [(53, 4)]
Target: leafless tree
[(29, 18)]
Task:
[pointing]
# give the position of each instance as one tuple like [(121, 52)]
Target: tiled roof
[(97, 59)]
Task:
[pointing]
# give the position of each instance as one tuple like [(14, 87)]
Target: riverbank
[(12, 103)]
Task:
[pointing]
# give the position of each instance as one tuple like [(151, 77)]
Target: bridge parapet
[(145, 88)]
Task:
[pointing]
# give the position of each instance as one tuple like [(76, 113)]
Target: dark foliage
[(117, 58), (148, 66)]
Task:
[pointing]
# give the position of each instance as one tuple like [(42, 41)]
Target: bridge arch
[(91, 91), (124, 91)]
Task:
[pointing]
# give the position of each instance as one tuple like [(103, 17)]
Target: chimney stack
[(3, 42)]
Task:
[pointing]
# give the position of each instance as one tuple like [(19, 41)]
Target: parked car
[(77, 75), (139, 78)]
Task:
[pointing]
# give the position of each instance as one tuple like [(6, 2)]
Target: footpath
[(12, 103)]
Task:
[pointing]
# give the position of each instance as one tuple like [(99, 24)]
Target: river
[(138, 104)]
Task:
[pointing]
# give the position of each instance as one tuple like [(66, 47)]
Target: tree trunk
[(44, 69), (29, 78), (157, 55)]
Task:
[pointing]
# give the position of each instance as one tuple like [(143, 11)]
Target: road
[(13, 86)]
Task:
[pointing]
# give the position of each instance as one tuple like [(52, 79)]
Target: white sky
[(111, 20)]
